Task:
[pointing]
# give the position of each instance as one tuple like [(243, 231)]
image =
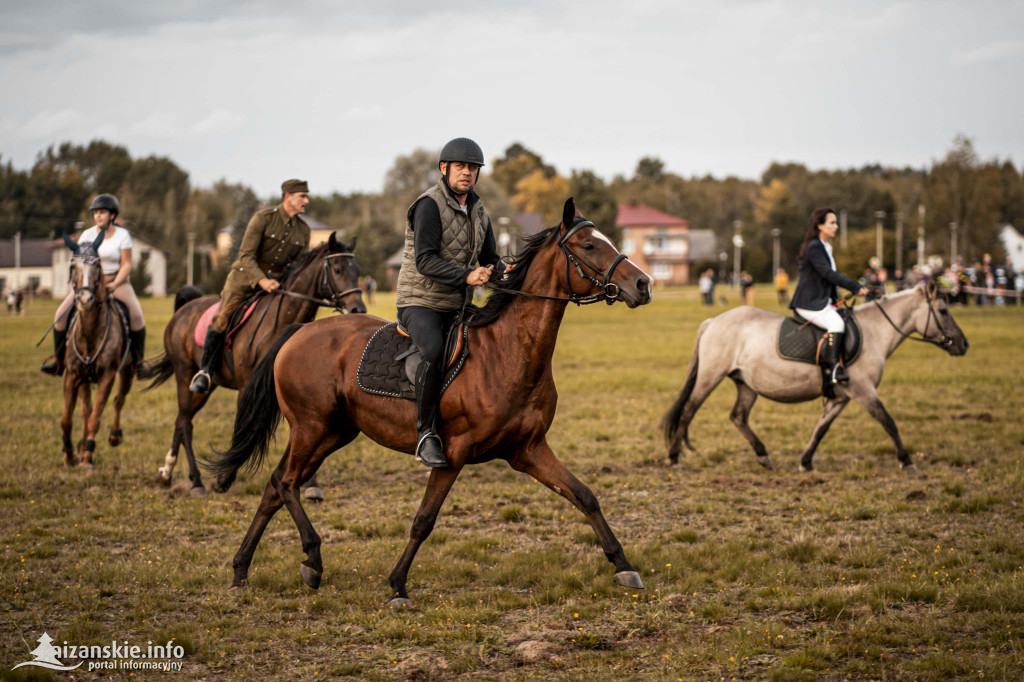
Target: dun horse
[(326, 275), (740, 344), (499, 407), (96, 352)]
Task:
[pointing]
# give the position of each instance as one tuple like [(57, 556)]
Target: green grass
[(854, 572)]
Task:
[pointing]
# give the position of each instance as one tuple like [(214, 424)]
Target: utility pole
[(188, 262), (952, 243), (842, 229), (737, 246), (899, 241), (920, 236), (776, 233), (879, 217)]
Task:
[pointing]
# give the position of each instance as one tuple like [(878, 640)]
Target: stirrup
[(196, 387), (435, 463)]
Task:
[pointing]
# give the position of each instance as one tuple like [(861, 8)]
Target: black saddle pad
[(798, 339), (388, 364)]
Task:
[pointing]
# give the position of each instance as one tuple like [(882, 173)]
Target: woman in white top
[(116, 260)]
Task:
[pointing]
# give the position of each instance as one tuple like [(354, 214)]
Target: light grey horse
[(741, 344)]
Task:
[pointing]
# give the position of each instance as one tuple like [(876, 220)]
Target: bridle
[(609, 291), (326, 283), (946, 341), (90, 260)]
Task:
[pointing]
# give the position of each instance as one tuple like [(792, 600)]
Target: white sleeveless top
[(110, 249)]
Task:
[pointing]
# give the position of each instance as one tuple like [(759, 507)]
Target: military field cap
[(292, 186)]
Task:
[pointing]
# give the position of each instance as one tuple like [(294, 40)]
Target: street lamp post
[(842, 229), (899, 241), (776, 233), (503, 237), (188, 263), (952, 243), (879, 217), (920, 236), (737, 246)]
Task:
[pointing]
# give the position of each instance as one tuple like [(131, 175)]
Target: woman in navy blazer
[(816, 293)]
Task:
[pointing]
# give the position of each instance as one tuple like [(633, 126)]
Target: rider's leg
[(202, 382), (832, 323), (136, 325), (427, 329), (55, 365)]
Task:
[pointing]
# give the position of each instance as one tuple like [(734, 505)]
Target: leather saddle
[(389, 361), (238, 318), (798, 339)]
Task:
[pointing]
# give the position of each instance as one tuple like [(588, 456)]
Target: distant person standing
[(706, 286), (369, 288), (747, 288), (10, 301), (19, 296), (782, 285)]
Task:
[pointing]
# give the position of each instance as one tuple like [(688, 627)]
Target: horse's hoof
[(158, 479), (806, 469), (314, 493), (85, 465), (310, 576), (629, 579), (197, 491), (911, 470), (400, 604), (70, 461), (116, 437), (239, 585), (766, 462)]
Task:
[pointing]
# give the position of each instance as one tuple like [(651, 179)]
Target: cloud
[(49, 124), (988, 53), (216, 122)]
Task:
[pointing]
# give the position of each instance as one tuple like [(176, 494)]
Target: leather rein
[(609, 291), (326, 282), (946, 341)]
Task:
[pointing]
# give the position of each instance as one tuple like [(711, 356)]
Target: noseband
[(87, 260), (334, 296)]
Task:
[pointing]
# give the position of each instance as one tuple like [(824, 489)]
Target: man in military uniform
[(449, 248), (273, 238)]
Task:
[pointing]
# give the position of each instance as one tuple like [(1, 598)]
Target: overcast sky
[(255, 93)]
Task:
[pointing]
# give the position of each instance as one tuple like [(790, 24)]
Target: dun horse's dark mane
[(307, 257), (500, 298)]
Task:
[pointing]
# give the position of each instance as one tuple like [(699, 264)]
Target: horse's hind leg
[(541, 463), (832, 409), (438, 486), (306, 452), (745, 399), (269, 505), (85, 395), (95, 416), (188, 404), (704, 384), (127, 374)]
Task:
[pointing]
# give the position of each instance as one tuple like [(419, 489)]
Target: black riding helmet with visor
[(106, 201), (463, 150)]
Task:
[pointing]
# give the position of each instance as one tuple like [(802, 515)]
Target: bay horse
[(740, 344), (96, 352), (499, 407), (326, 275)]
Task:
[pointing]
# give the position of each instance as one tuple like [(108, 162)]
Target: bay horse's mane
[(307, 257), (500, 299)]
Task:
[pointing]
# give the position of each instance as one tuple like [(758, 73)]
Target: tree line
[(162, 206)]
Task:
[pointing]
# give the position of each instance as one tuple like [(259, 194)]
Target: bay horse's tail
[(257, 417), (670, 422), (163, 369)]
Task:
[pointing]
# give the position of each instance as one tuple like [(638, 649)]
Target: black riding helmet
[(460, 149), (107, 201)]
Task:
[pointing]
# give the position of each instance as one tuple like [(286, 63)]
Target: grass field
[(856, 571)]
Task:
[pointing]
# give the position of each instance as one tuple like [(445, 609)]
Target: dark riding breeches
[(427, 328)]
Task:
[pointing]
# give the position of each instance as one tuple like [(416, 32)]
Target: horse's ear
[(930, 288), (72, 244), (569, 212), (332, 243), (352, 246), (99, 240)]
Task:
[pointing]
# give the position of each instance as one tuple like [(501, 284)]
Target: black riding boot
[(202, 382), (56, 365), (832, 371), (137, 340), (429, 448)]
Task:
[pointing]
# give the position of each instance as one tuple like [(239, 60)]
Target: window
[(627, 247), (662, 271)]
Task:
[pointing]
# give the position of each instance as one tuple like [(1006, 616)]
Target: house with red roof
[(656, 242)]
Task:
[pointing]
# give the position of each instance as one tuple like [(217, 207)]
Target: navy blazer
[(817, 282)]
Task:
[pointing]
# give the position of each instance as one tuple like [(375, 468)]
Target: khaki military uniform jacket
[(272, 241)]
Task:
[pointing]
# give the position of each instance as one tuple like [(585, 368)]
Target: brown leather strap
[(270, 268)]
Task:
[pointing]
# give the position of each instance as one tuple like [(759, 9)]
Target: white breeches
[(827, 319)]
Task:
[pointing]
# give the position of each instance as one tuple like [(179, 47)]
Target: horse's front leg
[(438, 486), (127, 375), (541, 463), (833, 407), (85, 395), (67, 419), (873, 405), (93, 428)]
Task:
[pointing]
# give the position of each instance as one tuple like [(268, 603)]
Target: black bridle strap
[(946, 338)]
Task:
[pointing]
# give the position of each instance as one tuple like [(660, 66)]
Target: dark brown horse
[(499, 407), (96, 352), (326, 275)]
